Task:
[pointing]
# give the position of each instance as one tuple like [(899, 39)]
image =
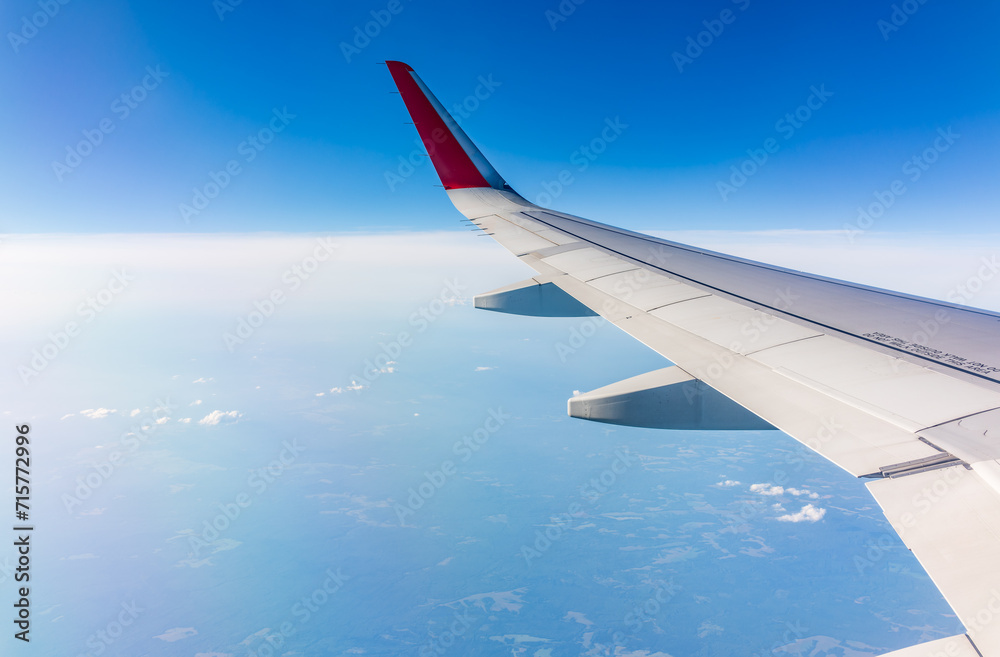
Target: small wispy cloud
[(483, 368), (97, 413), (355, 386), (808, 513), (176, 634), (204, 380), (801, 492), (215, 417), (728, 483), (767, 489), (196, 402)]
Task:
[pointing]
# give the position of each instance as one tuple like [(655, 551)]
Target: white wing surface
[(897, 389)]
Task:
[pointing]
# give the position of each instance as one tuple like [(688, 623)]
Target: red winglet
[(458, 162)]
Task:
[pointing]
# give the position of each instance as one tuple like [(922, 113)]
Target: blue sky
[(554, 83)]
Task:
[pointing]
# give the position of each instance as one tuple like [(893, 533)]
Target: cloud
[(176, 634), (213, 654), (162, 420), (483, 368), (185, 420), (204, 380), (66, 416), (801, 491), (215, 417), (134, 412), (354, 386), (196, 402), (773, 491), (97, 413), (808, 513), (729, 483)]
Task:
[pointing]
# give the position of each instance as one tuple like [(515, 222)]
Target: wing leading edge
[(891, 387)]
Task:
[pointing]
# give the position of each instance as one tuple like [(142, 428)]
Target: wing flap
[(950, 519)]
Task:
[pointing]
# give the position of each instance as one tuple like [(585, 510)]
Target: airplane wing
[(900, 390)]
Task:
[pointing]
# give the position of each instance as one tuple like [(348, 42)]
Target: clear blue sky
[(325, 171)]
